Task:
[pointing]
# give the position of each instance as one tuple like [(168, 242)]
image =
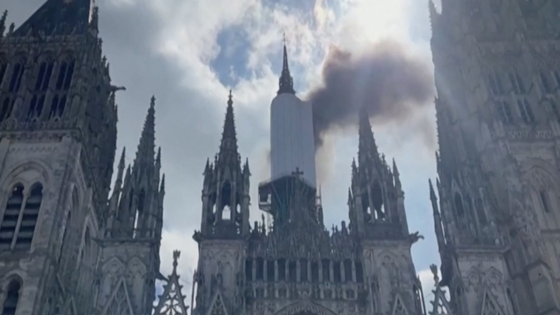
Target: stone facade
[(66, 245), (497, 220), (295, 265)]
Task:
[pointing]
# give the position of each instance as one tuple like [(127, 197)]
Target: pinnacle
[(145, 154), (286, 82), (228, 145)]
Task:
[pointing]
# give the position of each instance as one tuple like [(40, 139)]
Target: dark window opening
[(326, 270), (270, 270), (481, 212), (348, 270), (337, 272), (359, 272), (504, 111), (459, 205), (225, 201), (44, 76), (58, 105), (496, 86), (260, 269), (35, 107), (315, 271), (377, 201), (547, 88), (511, 301), (526, 111), (65, 74), (303, 265), (281, 269), (7, 107), (248, 270), (292, 271), (544, 201), (17, 74), (3, 68), (11, 215), (12, 298), (29, 218), (517, 83)]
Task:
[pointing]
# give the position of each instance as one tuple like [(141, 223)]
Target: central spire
[(286, 82)]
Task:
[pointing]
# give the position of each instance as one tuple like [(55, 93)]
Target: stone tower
[(497, 221), (295, 265), (65, 246)]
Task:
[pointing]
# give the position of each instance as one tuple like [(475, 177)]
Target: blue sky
[(189, 53)]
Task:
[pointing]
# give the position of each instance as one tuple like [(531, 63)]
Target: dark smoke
[(386, 79)]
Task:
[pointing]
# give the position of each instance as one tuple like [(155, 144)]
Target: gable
[(119, 302), (398, 307)]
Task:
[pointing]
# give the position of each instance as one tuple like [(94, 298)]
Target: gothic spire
[(228, 145), (57, 17), (286, 82), (146, 149), (367, 146)]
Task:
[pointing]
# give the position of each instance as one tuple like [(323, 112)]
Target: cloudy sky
[(189, 53)]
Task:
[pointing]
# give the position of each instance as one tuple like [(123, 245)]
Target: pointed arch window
[(511, 302), (495, 82), (517, 83), (545, 82), (17, 75), (63, 82), (12, 298), (459, 207), (555, 111), (480, 211), (41, 85), (504, 110), (8, 226), (526, 111), (544, 201), (3, 69), (28, 218)]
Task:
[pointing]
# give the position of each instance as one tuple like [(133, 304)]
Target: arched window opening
[(7, 107), (3, 68), (459, 205), (544, 201), (315, 271), (270, 270), (504, 111), (225, 200), (65, 74), (359, 272), (139, 213), (481, 212), (58, 104), (29, 217), (326, 264), (377, 201), (303, 265), (86, 248), (511, 301), (366, 208), (226, 213), (337, 272), (526, 111), (44, 76), (260, 269), (12, 298), (547, 88), (11, 215), (64, 247), (495, 82), (248, 270), (35, 107), (348, 270), (292, 271), (281, 269), (17, 74), (517, 83)]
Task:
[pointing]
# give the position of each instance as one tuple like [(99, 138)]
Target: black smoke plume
[(386, 79)]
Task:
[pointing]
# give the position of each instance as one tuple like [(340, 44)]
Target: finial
[(176, 255), (230, 98), (153, 101)]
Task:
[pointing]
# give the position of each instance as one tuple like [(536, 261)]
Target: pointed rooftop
[(146, 147), (367, 146), (228, 145), (58, 17), (172, 301), (286, 82)]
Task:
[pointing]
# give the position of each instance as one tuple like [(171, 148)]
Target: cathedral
[(78, 238)]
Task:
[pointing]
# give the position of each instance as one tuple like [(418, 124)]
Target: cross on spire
[(297, 173)]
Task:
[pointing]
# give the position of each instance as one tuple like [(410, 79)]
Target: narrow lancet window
[(8, 226), (12, 298), (29, 217), (544, 201), (459, 205)]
